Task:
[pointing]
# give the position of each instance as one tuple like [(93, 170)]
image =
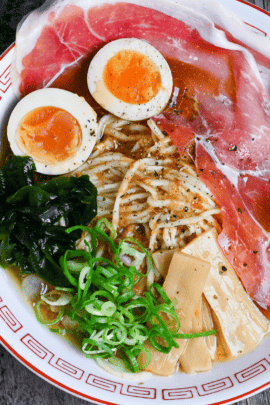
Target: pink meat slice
[(229, 117), (243, 239), (232, 132)]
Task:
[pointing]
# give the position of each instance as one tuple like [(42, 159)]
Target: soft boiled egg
[(130, 78), (55, 127)]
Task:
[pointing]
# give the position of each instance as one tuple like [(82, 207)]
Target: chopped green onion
[(84, 276), (65, 289), (195, 335), (57, 298), (106, 307), (43, 317), (144, 358), (102, 223), (75, 267)]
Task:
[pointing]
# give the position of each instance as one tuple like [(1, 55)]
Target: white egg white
[(132, 112), (73, 104)]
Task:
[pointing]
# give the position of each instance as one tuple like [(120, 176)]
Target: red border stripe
[(258, 29), (72, 391), (52, 380), (7, 51), (256, 7), (66, 388)]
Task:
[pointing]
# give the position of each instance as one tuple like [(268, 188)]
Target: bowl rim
[(64, 387)]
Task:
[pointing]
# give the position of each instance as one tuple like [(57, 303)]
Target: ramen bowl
[(61, 363)]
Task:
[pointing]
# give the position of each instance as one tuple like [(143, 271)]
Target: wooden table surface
[(18, 385)]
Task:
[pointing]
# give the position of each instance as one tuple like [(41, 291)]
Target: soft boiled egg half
[(130, 78), (55, 127)]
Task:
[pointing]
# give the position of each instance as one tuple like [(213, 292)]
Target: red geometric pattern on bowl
[(216, 386), (112, 386), (5, 81), (179, 393), (104, 384), (184, 393), (137, 391), (11, 321), (45, 354), (252, 371), (191, 392)]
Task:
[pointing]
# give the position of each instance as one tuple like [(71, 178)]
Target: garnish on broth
[(104, 305), (150, 191), (55, 127), (34, 217)]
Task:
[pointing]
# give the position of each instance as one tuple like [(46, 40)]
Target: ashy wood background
[(18, 385)]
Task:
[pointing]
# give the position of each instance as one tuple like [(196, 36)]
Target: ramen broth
[(188, 78)]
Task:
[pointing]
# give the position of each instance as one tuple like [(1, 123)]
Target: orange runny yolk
[(132, 77), (49, 134)]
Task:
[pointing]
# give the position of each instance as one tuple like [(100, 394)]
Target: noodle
[(144, 187)]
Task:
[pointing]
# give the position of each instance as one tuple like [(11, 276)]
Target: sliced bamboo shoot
[(162, 260), (208, 324), (185, 282), (196, 357), (241, 326)]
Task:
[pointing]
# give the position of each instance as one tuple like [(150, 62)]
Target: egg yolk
[(132, 77), (49, 134)]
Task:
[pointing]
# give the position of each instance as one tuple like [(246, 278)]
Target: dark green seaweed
[(30, 233)]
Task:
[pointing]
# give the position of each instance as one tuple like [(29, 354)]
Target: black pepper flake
[(188, 190), (233, 148), (239, 210), (164, 132), (245, 264), (224, 268), (186, 209), (255, 252), (166, 221), (156, 163), (156, 174), (175, 216), (201, 170)]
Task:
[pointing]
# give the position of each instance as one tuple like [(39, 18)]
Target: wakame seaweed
[(31, 235)]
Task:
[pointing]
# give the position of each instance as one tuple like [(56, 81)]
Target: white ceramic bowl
[(58, 362)]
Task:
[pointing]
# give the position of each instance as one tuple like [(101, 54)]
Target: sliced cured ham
[(219, 99), (232, 134)]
